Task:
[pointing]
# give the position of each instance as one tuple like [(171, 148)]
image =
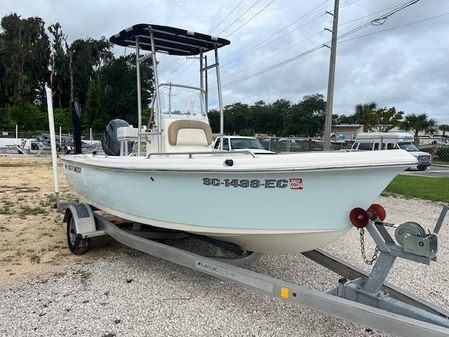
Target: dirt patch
[(32, 233)]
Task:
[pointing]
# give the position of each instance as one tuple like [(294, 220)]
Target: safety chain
[(362, 248)]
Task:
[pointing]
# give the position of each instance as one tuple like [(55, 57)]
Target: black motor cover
[(110, 143)]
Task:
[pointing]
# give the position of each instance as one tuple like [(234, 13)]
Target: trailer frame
[(359, 297)]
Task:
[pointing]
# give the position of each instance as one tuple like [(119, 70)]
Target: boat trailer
[(360, 297)]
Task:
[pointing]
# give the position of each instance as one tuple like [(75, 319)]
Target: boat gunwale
[(231, 170)]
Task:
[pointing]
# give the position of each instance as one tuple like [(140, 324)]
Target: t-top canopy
[(171, 40)]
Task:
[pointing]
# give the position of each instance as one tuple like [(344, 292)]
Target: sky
[(402, 63)]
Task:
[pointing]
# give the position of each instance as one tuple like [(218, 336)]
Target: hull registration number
[(291, 183)]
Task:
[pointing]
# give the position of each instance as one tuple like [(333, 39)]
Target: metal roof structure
[(168, 40)]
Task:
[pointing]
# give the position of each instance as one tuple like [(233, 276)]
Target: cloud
[(405, 67)]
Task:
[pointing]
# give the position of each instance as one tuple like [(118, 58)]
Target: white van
[(372, 141)]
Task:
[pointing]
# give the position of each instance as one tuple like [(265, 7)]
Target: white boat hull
[(279, 210)]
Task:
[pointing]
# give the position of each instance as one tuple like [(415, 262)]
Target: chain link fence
[(436, 146), (12, 141), (298, 144)]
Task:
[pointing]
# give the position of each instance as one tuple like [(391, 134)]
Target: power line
[(238, 18), (289, 47), (403, 5), (232, 11), (173, 71), (183, 70), (349, 4), (274, 66), (380, 20), (289, 60), (265, 41), (247, 21), (371, 14), (246, 11), (396, 27), (289, 25)]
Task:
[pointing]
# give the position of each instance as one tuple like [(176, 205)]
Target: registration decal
[(296, 184)]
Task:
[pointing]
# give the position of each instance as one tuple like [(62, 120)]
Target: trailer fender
[(84, 219)]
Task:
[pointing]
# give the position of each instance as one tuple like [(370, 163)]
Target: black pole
[(76, 121)]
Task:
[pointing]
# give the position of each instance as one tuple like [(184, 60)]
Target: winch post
[(379, 272), (441, 219)]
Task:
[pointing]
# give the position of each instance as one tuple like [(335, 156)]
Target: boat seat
[(189, 133)]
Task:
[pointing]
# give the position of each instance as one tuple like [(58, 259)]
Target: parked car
[(241, 143), (366, 141)]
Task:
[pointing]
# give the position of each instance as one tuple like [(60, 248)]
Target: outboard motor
[(110, 143)]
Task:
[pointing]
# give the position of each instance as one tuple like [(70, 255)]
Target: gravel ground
[(133, 294)]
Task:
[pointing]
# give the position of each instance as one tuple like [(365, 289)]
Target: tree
[(60, 80), (93, 113), (418, 123), (24, 55), (307, 117), (385, 119), (236, 117), (88, 56), (444, 128), (364, 114), (214, 120), (118, 81)]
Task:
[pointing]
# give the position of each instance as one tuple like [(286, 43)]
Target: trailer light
[(284, 292)]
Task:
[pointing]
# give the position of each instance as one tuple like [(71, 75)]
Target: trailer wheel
[(58, 147), (76, 243)]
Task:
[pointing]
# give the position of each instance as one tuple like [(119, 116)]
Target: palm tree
[(444, 128), (364, 114), (418, 123)]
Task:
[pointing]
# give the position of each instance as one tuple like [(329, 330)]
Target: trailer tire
[(58, 147), (77, 244)]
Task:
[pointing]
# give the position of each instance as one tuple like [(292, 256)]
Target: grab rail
[(199, 152)]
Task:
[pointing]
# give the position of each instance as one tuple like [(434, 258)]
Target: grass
[(49, 201), (7, 207), (4, 229), (440, 162), (6, 210), (35, 259), (27, 210), (435, 189)]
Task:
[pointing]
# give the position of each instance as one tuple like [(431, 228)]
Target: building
[(345, 131)]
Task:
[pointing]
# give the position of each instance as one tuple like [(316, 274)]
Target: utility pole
[(330, 83)]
